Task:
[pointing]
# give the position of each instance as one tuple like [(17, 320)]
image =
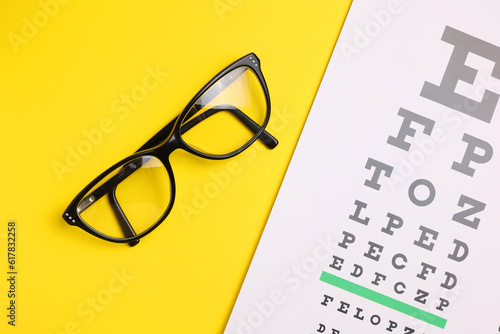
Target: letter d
[(73, 159), (28, 30), (450, 282), (461, 251), (222, 178), (200, 201), (266, 307), (361, 40), (358, 271)]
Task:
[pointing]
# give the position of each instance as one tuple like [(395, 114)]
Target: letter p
[(471, 155)]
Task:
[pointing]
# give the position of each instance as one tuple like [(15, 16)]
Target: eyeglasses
[(135, 195)]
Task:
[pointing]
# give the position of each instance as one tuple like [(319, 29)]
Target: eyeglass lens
[(232, 109), (143, 195)]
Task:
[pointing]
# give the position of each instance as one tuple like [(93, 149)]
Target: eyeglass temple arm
[(127, 229), (269, 140)]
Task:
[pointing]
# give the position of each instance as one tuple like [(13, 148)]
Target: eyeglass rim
[(72, 217), (252, 62), (150, 147)]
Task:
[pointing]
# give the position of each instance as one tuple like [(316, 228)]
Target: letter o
[(417, 158), (44, 19), (430, 196), (211, 190), (255, 319), (471, 105), (84, 148), (375, 320), (370, 31), (310, 264), (139, 93), (104, 297)]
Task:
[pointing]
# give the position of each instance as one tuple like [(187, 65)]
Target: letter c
[(113, 288), (399, 284)]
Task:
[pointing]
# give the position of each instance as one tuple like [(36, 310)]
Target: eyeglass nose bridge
[(172, 143)]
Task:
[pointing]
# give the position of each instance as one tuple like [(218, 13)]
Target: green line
[(383, 300)]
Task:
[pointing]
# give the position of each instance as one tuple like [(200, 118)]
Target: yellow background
[(65, 67)]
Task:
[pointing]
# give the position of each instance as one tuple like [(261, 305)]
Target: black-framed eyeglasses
[(135, 195)]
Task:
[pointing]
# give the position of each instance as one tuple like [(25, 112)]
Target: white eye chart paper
[(388, 219)]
